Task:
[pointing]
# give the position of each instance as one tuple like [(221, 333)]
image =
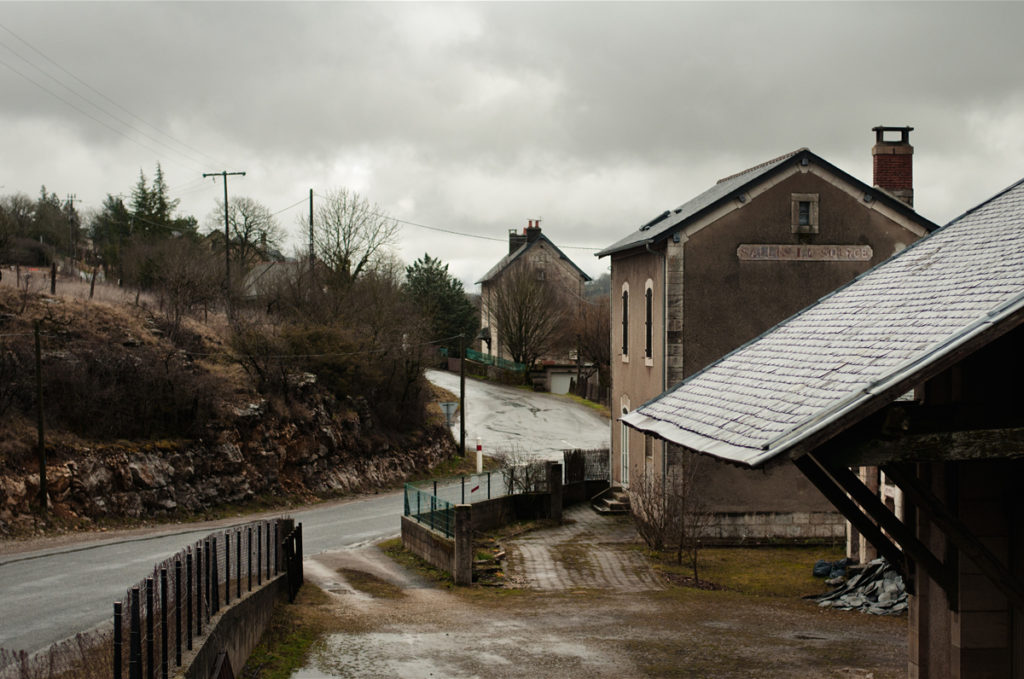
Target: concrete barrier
[(235, 630)]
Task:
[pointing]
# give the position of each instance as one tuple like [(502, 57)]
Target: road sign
[(448, 408)]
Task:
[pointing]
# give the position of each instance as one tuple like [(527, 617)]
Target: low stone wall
[(432, 547), (235, 630), (737, 528)]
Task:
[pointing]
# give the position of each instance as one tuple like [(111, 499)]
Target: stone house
[(915, 368), (696, 282), (532, 251)]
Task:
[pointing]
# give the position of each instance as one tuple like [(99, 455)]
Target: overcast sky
[(593, 117)]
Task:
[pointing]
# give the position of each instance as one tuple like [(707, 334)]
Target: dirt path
[(583, 625)]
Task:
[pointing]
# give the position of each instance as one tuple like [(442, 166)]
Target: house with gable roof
[(695, 282), (532, 252), (915, 367)]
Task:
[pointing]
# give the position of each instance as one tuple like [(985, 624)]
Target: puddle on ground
[(434, 655)]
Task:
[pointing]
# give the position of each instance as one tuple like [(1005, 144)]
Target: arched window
[(649, 321), (625, 321)]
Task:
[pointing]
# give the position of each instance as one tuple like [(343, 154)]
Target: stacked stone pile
[(877, 589)]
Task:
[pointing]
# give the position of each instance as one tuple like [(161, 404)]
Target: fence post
[(227, 568), (277, 547), (555, 489), (238, 564), (177, 612), (463, 489), (298, 551), (134, 636), (488, 485), (163, 622), (150, 650), (462, 568), (118, 642), (215, 577), (259, 556), (268, 551), (188, 599), (199, 589), (248, 561)]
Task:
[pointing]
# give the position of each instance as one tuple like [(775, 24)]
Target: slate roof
[(520, 251), (871, 336), (669, 221)]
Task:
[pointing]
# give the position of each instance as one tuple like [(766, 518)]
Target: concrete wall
[(235, 629), (739, 528), (432, 547)]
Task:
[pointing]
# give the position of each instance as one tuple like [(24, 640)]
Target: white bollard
[(479, 457)]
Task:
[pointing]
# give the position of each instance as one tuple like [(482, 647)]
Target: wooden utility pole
[(227, 235), (39, 419), (462, 398)]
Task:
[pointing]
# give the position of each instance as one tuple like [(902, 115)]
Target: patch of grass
[(602, 410), (368, 583), (756, 571), (394, 549), (574, 557), (291, 635)]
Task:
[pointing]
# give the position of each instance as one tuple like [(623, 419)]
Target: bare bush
[(522, 473), (649, 507), (669, 510)]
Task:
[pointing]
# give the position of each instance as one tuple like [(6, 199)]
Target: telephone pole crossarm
[(223, 174)]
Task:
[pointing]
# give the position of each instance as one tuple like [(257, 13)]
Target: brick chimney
[(532, 231), (516, 240), (893, 162)]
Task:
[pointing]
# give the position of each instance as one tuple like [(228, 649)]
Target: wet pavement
[(509, 420)]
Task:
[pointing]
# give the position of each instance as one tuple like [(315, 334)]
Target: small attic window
[(805, 213)]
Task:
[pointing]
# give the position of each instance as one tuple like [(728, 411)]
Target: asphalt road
[(527, 423), (60, 587)]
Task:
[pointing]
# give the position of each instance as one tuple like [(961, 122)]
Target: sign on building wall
[(804, 253)]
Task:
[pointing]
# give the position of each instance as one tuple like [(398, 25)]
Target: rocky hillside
[(140, 426)]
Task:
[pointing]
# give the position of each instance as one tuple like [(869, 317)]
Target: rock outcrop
[(332, 449)]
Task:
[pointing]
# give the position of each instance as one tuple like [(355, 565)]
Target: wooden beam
[(982, 444), (957, 533), (904, 535), (817, 475)]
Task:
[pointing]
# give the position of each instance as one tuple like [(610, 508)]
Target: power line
[(84, 113), (103, 96), (461, 233)]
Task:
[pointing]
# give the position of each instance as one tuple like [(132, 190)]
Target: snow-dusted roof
[(868, 337)]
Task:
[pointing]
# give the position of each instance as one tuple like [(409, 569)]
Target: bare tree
[(688, 508), (255, 234), (351, 234), (529, 313), (649, 508), (669, 510), (188, 276), (593, 335)]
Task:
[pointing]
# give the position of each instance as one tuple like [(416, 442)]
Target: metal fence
[(430, 510), (160, 617), (494, 360)]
